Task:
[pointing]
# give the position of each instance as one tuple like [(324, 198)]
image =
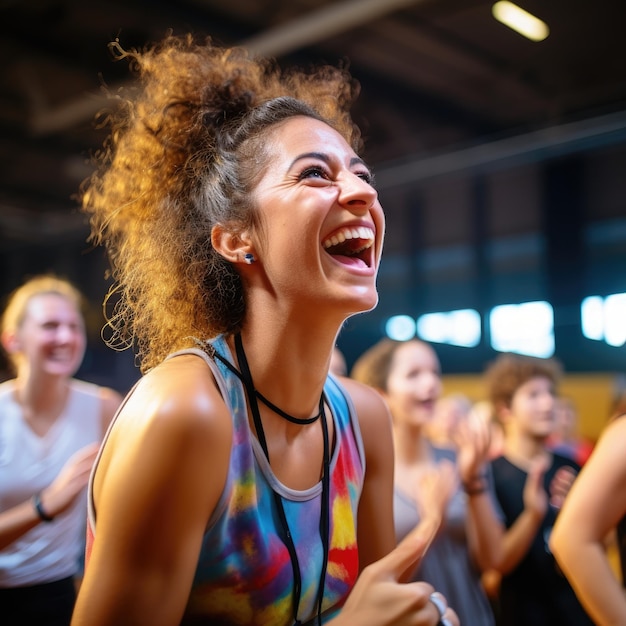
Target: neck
[(39, 391), (288, 369), (41, 400), (410, 446), (523, 450)]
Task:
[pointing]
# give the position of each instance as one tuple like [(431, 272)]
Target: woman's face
[(413, 384), (51, 338), (322, 224)]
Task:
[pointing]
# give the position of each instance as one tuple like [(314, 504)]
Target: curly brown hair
[(186, 148), (505, 375)]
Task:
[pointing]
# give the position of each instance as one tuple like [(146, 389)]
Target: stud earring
[(248, 257)]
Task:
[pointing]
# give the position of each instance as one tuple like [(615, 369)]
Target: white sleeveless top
[(51, 550)]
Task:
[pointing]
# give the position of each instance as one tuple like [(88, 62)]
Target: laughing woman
[(240, 484)]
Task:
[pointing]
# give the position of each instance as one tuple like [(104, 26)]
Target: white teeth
[(360, 232)]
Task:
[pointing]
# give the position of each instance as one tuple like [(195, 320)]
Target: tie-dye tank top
[(244, 573)]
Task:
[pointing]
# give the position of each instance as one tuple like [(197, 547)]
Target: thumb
[(536, 472), (401, 562), (538, 467)]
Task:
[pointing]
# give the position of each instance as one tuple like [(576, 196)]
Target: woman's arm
[(381, 596), (485, 532), (376, 531), (593, 507), (61, 493), (153, 498), (54, 499)]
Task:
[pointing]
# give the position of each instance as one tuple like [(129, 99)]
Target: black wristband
[(475, 486), (40, 511)]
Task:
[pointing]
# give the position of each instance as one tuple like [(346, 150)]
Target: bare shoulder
[(372, 411), (178, 394), (615, 428), (609, 450), (175, 424), (161, 474)]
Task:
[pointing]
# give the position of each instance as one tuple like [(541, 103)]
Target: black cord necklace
[(324, 527), (289, 418)]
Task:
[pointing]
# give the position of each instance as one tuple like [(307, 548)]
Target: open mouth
[(353, 243)]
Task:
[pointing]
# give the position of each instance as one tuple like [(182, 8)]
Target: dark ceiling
[(435, 75), (445, 89)]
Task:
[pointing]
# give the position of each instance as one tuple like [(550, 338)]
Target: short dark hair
[(509, 372)]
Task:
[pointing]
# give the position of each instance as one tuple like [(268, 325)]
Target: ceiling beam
[(320, 25), (296, 34), (541, 144)]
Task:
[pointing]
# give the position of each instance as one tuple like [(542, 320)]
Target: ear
[(10, 342), (503, 413), (233, 245)]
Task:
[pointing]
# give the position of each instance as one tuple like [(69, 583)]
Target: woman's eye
[(367, 177), (313, 172)]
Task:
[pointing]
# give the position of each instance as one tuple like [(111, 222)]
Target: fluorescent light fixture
[(520, 21), (457, 328), (592, 317), (400, 327), (526, 328), (602, 319), (615, 314)]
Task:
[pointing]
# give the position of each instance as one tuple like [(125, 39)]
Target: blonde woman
[(50, 428)]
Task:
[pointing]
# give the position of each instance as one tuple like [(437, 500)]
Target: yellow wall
[(592, 394)]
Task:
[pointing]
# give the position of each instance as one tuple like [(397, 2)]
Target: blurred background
[(500, 161)]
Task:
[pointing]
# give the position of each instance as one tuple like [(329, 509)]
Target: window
[(400, 327), (604, 319), (526, 328), (456, 328)]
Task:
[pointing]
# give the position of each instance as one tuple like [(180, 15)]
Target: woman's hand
[(54, 499), (73, 477), (560, 486), (535, 496), (382, 598), (473, 440), (435, 487)]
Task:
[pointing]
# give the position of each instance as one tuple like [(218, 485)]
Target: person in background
[(531, 483), (618, 404), (50, 428), (460, 511), (483, 410), (566, 440), (240, 483), (450, 413), (594, 509)]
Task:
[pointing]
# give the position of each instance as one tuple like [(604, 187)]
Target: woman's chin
[(365, 299)]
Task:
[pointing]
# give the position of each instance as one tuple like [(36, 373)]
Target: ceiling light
[(520, 21)]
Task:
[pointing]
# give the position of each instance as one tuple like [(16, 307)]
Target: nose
[(355, 192), (550, 402), (65, 333), (433, 382)]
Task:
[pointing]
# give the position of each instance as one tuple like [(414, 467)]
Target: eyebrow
[(324, 157)]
